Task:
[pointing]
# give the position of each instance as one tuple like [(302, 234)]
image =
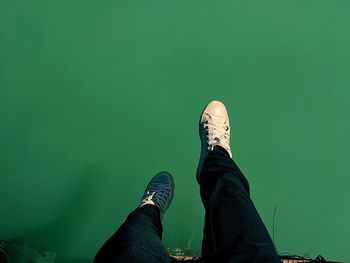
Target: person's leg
[(234, 231), (138, 239)]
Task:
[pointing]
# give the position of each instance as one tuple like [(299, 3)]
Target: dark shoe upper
[(159, 192)]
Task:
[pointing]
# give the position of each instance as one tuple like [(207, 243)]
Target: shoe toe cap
[(216, 108)]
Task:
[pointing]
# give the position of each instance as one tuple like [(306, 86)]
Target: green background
[(98, 96)]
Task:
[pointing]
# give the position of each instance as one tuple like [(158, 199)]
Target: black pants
[(233, 229)]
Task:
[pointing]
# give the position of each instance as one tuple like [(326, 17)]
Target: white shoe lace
[(148, 199), (217, 132)]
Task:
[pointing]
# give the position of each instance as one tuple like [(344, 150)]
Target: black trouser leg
[(233, 231), (137, 240)]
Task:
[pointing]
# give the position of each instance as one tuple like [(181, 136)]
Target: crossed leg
[(233, 231)]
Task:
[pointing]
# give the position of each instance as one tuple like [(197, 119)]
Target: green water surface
[(98, 96)]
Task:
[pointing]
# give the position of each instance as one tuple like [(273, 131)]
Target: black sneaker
[(159, 192)]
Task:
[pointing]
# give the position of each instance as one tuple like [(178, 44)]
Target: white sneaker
[(214, 130)]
